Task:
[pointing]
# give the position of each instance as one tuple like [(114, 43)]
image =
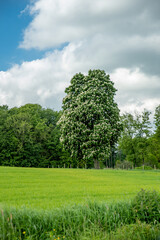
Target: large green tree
[(90, 123), (134, 138)]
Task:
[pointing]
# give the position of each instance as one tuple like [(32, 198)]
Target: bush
[(124, 165), (152, 160), (146, 206), (138, 231), (158, 165), (144, 167)]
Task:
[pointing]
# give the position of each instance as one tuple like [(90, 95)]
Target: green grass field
[(50, 188)]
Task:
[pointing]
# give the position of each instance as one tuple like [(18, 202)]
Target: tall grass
[(68, 222), (90, 221)]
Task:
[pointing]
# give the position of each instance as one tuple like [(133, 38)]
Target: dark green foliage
[(138, 219), (138, 231), (29, 137), (146, 206), (137, 143)]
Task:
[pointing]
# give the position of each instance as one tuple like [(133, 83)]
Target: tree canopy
[(29, 137), (137, 142), (90, 122)]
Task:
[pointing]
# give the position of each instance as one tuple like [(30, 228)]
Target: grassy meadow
[(52, 188), (79, 204)]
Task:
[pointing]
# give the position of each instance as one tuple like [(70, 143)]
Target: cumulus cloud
[(127, 32), (59, 21), (44, 81), (136, 90), (40, 81)]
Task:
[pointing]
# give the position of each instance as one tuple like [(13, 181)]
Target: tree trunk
[(96, 164)]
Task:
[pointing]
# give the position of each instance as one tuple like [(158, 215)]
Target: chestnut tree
[(90, 121)]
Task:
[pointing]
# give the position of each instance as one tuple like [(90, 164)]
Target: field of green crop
[(50, 188)]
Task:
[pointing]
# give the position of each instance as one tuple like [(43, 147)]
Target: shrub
[(146, 206), (137, 231), (124, 165), (144, 167)]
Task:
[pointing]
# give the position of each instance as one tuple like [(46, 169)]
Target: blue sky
[(12, 25), (43, 47)]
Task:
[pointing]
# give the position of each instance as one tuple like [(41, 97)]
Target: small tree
[(157, 116), (90, 123), (157, 121)]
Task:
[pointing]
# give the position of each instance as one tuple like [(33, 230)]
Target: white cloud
[(58, 21), (44, 80), (121, 37), (110, 34), (136, 90)]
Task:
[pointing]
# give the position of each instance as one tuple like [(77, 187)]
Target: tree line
[(139, 143), (29, 137), (88, 132)]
